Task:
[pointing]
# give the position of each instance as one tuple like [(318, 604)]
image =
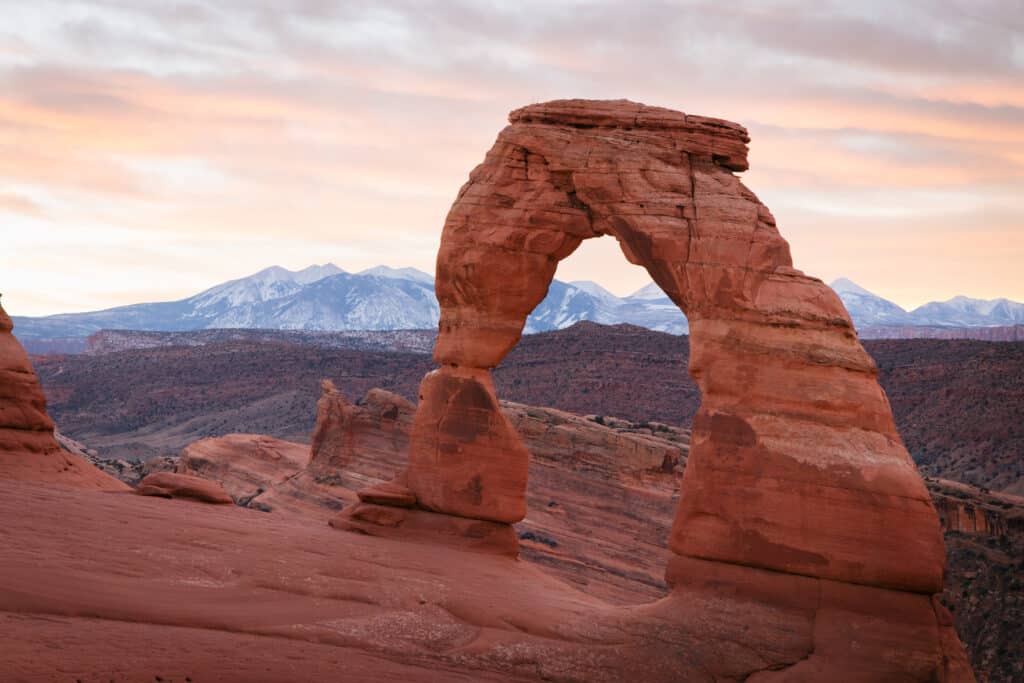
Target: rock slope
[(221, 593)]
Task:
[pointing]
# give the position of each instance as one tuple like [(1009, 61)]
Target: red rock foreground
[(128, 588)]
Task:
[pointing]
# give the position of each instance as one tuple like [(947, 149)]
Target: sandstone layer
[(795, 466), (28, 448)]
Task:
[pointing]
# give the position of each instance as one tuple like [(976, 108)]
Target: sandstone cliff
[(28, 449)]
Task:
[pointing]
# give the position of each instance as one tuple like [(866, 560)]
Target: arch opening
[(608, 455)]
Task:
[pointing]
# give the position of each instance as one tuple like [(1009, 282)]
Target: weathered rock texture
[(246, 465), (28, 449), (796, 465)]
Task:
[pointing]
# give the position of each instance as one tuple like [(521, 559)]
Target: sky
[(149, 150)]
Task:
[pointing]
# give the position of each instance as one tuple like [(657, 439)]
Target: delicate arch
[(795, 464)]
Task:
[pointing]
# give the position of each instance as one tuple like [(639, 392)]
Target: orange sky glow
[(151, 150)]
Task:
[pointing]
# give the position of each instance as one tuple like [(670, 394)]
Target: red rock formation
[(352, 447), (402, 523), (331, 441), (374, 430), (796, 465), (613, 476), (176, 485), (469, 461), (389, 493), (28, 449), (970, 510), (244, 464)]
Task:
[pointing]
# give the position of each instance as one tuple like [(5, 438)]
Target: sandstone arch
[(796, 465)]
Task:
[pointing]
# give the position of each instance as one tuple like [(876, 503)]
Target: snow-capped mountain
[(866, 308), (320, 297), (325, 297), (650, 307), (870, 310), (400, 274), (648, 292), (961, 311), (595, 290), (270, 283), (566, 304)]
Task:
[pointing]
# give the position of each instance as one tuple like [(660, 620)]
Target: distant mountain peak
[(593, 289), (316, 272), (846, 286), (648, 292), (399, 274)]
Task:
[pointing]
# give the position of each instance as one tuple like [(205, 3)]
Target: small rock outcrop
[(330, 440), (244, 464), (175, 485), (378, 424), (28, 448)]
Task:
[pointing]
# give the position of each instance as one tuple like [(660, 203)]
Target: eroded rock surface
[(246, 465), (28, 448)]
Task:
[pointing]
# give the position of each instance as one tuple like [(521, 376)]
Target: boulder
[(175, 485)]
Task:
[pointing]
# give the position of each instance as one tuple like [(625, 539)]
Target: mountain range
[(868, 309), (325, 297)]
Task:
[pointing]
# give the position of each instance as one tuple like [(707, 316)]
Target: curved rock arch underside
[(796, 472)]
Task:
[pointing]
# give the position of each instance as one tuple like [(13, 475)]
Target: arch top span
[(723, 141), (659, 181), (795, 463)]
